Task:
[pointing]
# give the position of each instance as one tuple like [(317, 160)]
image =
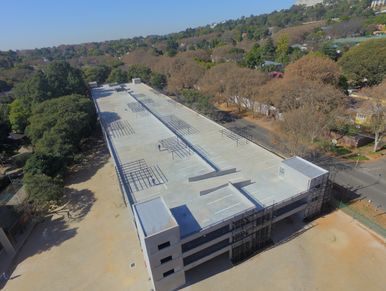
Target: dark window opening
[(164, 245), (205, 252), (167, 259), (168, 273), (205, 238)]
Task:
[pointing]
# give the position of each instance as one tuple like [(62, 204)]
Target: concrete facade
[(6, 243), (196, 189)]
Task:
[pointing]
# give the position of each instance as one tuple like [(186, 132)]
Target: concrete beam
[(5, 242)]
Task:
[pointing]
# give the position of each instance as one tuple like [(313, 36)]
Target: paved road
[(365, 179)]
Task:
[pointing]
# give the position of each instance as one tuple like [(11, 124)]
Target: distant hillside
[(308, 2)]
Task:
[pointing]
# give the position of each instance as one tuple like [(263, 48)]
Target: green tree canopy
[(268, 50), (158, 81), (43, 190), (18, 116), (365, 63), (4, 86), (252, 59), (64, 79), (57, 125), (40, 163), (282, 49), (139, 71), (117, 76), (58, 79), (96, 73), (34, 90)]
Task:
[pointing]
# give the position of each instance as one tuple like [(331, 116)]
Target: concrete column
[(7, 245)]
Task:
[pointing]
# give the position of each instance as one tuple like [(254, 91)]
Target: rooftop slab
[(154, 216), (161, 145)]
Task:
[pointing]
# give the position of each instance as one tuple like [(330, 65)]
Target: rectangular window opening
[(168, 273), (165, 260), (164, 245)]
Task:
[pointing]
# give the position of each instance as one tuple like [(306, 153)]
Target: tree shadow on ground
[(52, 232), (78, 203), (95, 156), (55, 229)]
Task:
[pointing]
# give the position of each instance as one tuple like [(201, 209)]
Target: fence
[(366, 221)]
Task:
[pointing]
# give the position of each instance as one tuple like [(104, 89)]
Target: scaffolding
[(251, 233), (318, 197)]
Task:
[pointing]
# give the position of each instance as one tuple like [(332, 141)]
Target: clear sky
[(40, 23)]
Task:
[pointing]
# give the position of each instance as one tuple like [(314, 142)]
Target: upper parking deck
[(165, 149)]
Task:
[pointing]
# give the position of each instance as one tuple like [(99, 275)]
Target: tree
[(378, 112), (171, 47), (330, 50), (64, 79), (282, 49), (4, 86), (139, 71), (41, 163), (96, 73), (309, 109), (365, 64), (43, 190), (18, 116), (229, 82), (117, 76), (315, 68), (252, 59), (34, 90), (158, 81), (57, 125), (4, 124), (181, 71), (268, 50)]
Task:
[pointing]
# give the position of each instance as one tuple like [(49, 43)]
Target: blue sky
[(39, 23)]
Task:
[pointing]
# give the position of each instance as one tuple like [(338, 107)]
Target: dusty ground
[(92, 251), (260, 120), (368, 210), (336, 254)]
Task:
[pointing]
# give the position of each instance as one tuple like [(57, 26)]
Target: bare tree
[(377, 121), (315, 68), (182, 71), (309, 108), (229, 82)]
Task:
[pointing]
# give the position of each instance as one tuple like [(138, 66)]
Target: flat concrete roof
[(305, 167), (154, 216), (165, 149)]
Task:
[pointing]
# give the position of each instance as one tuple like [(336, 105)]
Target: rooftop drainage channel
[(216, 168)]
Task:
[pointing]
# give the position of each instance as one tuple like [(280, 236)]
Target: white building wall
[(153, 256), (297, 178)]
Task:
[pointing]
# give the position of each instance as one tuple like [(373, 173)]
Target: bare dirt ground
[(368, 210), (336, 254), (93, 250)]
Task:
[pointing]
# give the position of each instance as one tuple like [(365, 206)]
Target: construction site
[(197, 190)]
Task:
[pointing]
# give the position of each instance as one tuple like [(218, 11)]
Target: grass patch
[(357, 158), (338, 150)]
